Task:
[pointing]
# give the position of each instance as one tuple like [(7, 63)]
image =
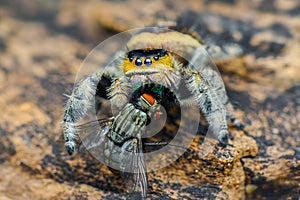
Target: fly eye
[(148, 61), (155, 58), (138, 62)]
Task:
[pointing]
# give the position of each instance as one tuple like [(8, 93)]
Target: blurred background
[(43, 43)]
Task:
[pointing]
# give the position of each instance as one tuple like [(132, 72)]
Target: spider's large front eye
[(138, 62), (148, 61)]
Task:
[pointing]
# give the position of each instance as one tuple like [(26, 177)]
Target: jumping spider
[(165, 59)]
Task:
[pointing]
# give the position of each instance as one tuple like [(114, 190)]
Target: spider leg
[(80, 102), (231, 115), (209, 103), (201, 62)]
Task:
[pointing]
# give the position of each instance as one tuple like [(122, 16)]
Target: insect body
[(120, 141), (171, 62)]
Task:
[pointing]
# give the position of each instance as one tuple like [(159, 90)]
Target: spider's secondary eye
[(138, 62), (131, 56), (162, 53), (148, 61), (155, 58)]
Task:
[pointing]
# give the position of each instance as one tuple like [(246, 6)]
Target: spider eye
[(148, 61), (130, 56), (155, 58), (163, 53), (138, 62)]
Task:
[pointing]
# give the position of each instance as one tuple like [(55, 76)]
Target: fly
[(118, 140)]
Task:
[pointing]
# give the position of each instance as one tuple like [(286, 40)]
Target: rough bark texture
[(42, 45)]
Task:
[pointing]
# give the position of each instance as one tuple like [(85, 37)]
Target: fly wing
[(133, 166), (93, 135)]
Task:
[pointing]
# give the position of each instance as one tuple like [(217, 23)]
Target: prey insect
[(118, 140), (158, 66)]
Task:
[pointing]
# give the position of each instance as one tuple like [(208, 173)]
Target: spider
[(156, 67)]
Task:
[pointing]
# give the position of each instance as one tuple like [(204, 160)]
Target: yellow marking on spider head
[(143, 60)]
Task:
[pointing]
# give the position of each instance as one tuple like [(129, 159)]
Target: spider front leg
[(209, 103), (203, 64), (78, 105)]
